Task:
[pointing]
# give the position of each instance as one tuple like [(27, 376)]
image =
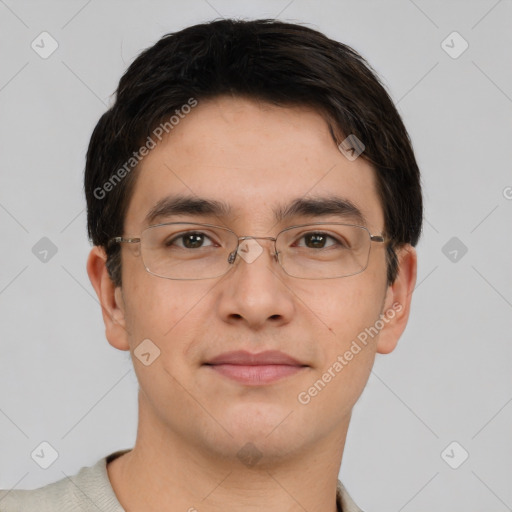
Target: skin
[(192, 421)]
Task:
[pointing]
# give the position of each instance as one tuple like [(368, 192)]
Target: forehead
[(256, 158)]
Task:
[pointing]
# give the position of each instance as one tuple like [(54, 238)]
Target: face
[(255, 158)]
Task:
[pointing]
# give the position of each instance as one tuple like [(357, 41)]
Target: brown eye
[(318, 241), (190, 240)]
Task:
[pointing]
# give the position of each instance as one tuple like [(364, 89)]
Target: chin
[(272, 429)]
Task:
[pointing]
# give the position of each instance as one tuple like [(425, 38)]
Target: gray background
[(450, 377)]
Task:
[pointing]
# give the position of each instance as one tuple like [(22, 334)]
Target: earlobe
[(110, 298), (397, 304)]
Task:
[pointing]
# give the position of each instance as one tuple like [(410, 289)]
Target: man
[(254, 203)]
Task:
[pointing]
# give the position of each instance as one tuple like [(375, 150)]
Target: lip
[(242, 357), (255, 369)]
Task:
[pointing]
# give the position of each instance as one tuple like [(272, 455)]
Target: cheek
[(168, 314), (346, 351), (344, 307), (164, 311)]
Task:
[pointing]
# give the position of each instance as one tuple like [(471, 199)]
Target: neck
[(166, 471)]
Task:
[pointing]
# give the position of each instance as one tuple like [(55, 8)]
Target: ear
[(110, 297), (397, 303)]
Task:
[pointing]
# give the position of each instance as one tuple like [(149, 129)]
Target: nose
[(255, 291)]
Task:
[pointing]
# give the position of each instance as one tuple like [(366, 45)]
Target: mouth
[(255, 369)]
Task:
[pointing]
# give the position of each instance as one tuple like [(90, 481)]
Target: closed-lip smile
[(255, 368)]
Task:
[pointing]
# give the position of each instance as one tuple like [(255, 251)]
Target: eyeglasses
[(187, 251)]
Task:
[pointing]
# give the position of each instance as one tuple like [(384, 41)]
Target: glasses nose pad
[(232, 256)]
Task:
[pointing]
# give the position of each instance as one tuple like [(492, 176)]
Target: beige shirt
[(90, 491)]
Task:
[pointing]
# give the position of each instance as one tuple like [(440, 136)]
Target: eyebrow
[(305, 207), (320, 207)]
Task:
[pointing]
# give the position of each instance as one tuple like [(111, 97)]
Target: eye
[(318, 240), (190, 240)]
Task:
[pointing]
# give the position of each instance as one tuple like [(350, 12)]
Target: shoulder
[(344, 501), (89, 489), (53, 496)]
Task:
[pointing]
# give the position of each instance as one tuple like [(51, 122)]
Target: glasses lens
[(324, 251), (187, 251)]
